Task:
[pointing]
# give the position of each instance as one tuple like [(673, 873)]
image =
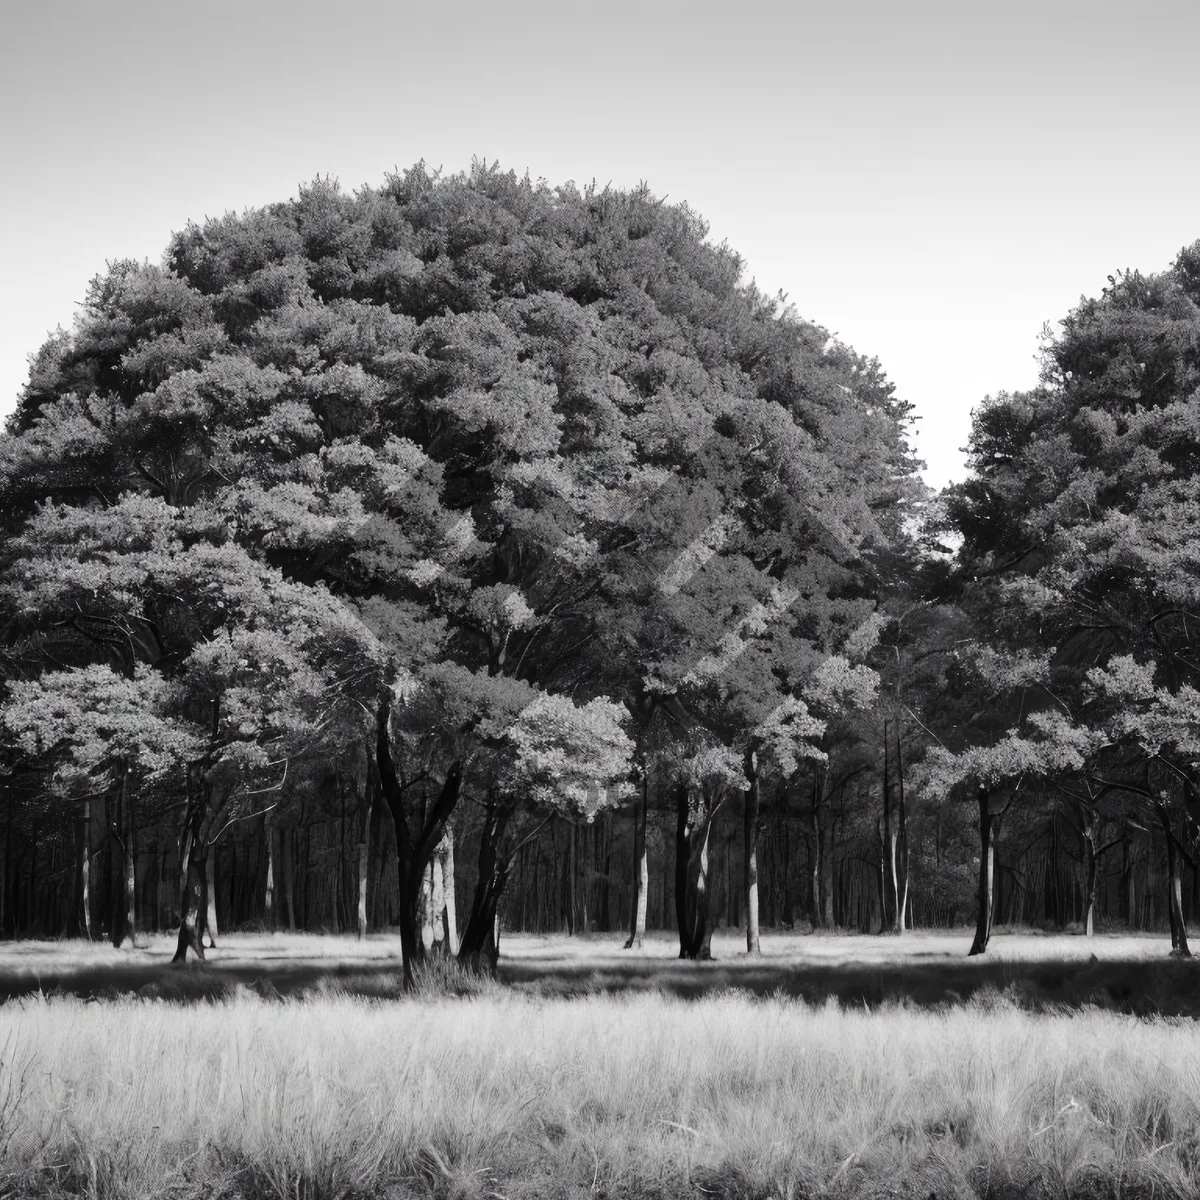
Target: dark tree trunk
[(890, 890), (191, 881), (413, 854), (987, 869), (80, 923), (818, 850), (480, 946), (750, 845), (902, 840), (129, 858), (681, 862), (695, 935), (1179, 942)]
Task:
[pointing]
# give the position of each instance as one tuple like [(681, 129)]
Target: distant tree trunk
[(287, 863), (480, 946), (81, 917), (364, 860), (1179, 942), (987, 867), (191, 880), (902, 840), (750, 844), (129, 840), (681, 861), (210, 896), (828, 920), (269, 913), (1127, 889), (122, 922), (1091, 871), (641, 874), (363, 816), (890, 890), (815, 870)]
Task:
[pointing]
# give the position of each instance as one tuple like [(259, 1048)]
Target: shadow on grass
[(1165, 987)]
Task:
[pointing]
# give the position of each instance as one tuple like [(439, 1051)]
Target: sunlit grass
[(636, 1095)]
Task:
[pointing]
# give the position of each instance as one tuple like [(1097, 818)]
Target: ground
[(848, 1066), (1128, 972)]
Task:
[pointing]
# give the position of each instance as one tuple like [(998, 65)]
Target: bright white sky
[(930, 181)]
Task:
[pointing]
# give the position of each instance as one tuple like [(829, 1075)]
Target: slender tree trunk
[(890, 890), (902, 830), (987, 866), (641, 873), (364, 860), (191, 882), (450, 908), (269, 915), (682, 806), (129, 846), (81, 918), (750, 845), (1091, 873), (818, 849), (287, 862), (364, 854), (828, 920), (1179, 942), (210, 896)]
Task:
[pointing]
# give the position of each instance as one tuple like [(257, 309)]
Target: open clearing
[(1126, 972), (301, 1072)]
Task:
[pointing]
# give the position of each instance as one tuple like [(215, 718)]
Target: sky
[(931, 182)]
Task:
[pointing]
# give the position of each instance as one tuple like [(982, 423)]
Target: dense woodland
[(470, 554)]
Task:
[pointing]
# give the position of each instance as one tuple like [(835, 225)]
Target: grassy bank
[(637, 1095)]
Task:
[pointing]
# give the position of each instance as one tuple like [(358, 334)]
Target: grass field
[(321, 1090)]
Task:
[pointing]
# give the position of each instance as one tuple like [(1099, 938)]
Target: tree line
[(468, 552)]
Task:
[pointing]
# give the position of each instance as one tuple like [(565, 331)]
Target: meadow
[(335, 1086)]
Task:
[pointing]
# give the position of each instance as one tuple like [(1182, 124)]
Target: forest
[(469, 555)]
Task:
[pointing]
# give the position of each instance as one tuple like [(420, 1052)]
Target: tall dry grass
[(639, 1095)]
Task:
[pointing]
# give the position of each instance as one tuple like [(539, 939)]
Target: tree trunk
[(1091, 873), (902, 832), (987, 866), (750, 845), (450, 908), (363, 816), (695, 935), (890, 890), (81, 916), (412, 853), (210, 897), (1179, 942), (191, 884), (641, 874), (480, 946), (269, 915), (129, 847), (287, 864), (364, 859), (681, 861)]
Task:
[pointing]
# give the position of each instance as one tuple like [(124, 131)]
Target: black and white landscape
[(499, 701)]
